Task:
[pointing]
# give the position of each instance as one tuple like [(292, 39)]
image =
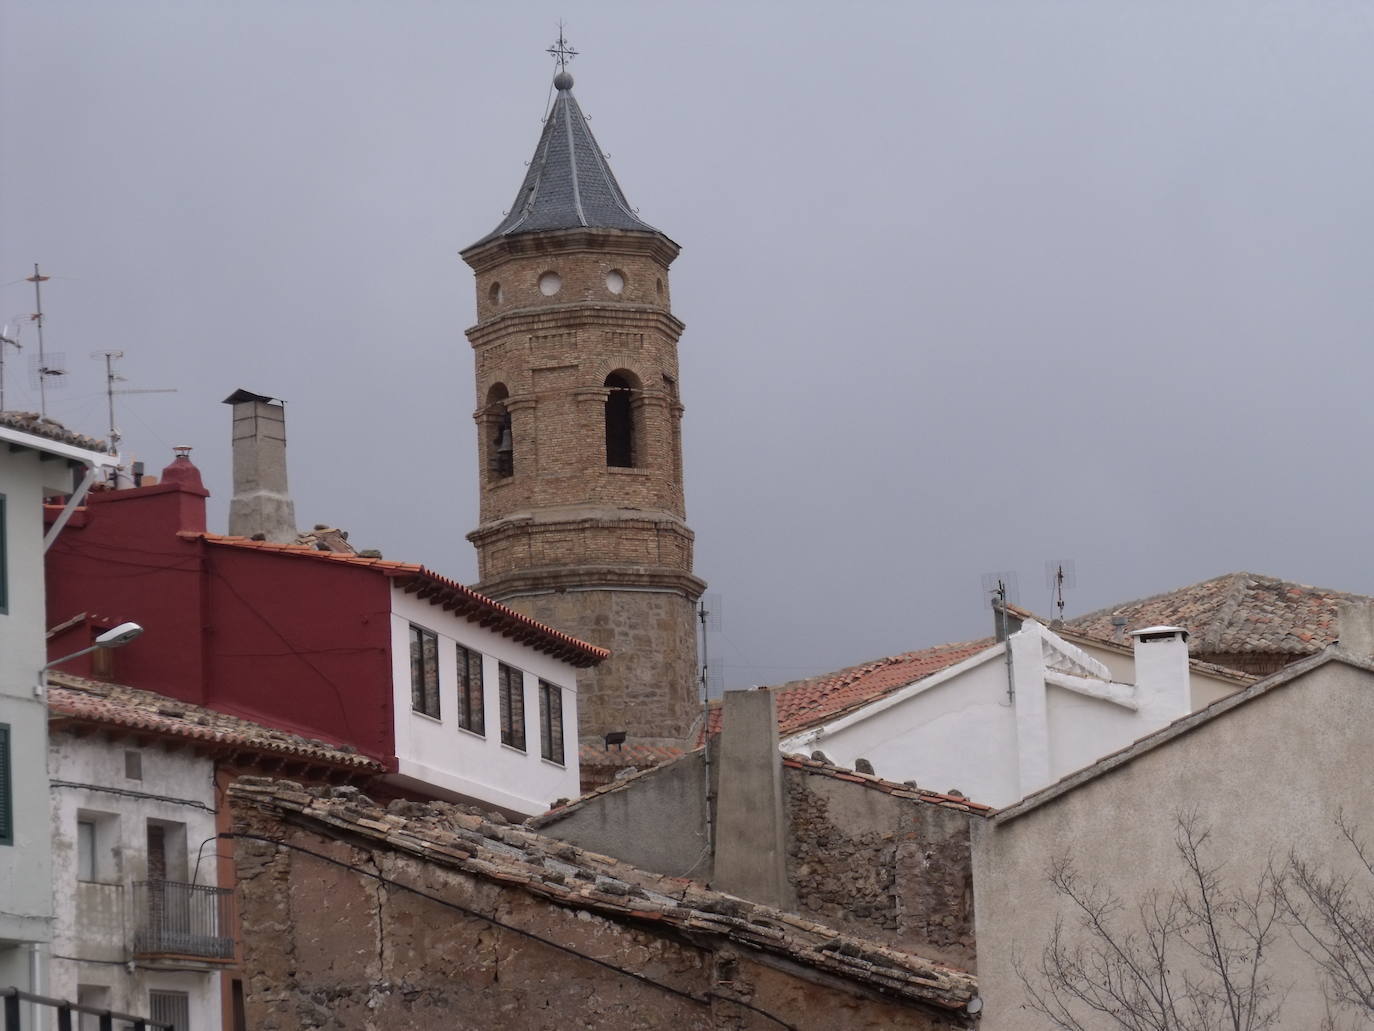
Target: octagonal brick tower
[(583, 523)]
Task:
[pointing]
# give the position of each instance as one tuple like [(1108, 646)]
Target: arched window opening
[(500, 439), (620, 429)]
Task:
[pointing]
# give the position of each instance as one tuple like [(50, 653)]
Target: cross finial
[(561, 51)]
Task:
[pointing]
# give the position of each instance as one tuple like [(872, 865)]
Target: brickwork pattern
[(603, 552)]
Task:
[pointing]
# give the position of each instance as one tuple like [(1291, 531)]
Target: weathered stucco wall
[(25, 862), (327, 946), (96, 917), (858, 859), (1267, 776), (656, 823)]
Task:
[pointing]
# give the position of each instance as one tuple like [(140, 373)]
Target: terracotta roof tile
[(1234, 613), (463, 601), (565, 875), (78, 699), (804, 703), (38, 426)]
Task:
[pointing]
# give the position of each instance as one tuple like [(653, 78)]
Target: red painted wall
[(290, 642)]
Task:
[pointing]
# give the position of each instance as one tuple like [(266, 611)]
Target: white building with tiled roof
[(145, 905)]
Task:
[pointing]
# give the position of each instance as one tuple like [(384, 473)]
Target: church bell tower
[(583, 523)]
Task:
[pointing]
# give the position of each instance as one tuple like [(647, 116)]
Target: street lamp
[(114, 638)]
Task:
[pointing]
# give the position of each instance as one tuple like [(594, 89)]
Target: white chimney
[(261, 503), (1161, 674)]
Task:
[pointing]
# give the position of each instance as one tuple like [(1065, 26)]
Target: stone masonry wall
[(328, 947), (648, 685), (872, 864)]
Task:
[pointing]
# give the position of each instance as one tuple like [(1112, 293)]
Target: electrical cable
[(379, 878), (128, 793)]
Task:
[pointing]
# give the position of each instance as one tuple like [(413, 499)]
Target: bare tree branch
[(1189, 959), (1332, 919)]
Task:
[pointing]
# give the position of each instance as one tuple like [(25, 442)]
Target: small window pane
[(171, 1008), (85, 850), (550, 721), (424, 671), (470, 713), (512, 691), (6, 789)]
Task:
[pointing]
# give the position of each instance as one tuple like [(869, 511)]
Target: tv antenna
[(1059, 576), (1002, 587), (43, 368), (111, 378), (9, 335)]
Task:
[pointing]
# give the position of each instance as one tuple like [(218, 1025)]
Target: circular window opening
[(550, 283), (615, 281), (494, 293)]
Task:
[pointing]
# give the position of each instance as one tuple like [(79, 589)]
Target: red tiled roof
[(1234, 613), (804, 703), (73, 699), (440, 590)]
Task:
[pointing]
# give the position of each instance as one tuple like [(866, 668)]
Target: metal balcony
[(182, 920)]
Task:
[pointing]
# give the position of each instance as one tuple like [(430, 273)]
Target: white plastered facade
[(436, 754), (97, 915), (31, 468), (997, 735)]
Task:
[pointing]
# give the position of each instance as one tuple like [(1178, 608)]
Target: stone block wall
[(867, 862), (329, 945), (648, 687)]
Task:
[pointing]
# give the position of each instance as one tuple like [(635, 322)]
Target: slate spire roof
[(568, 185)]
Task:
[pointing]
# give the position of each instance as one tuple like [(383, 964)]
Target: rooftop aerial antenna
[(111, 378), (43, 368), (9, 335), (1003, 590), (1059, 577)]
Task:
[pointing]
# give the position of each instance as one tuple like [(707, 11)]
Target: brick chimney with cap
[(261, 503)]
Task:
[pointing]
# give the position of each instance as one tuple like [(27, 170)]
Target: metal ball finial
[(563, 80)]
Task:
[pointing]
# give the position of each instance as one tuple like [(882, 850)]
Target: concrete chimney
[(1162, 686), (751, 822), (261, 503), (1355, 628)]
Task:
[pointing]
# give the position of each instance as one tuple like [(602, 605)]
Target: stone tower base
[(649, 685)]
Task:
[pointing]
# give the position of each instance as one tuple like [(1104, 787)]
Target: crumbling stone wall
[(326, 946), (869, 863)]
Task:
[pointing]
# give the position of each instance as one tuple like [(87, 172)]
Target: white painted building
[(502, 728), (37, 459), (141, 926), (146, 915), (1015, 716)]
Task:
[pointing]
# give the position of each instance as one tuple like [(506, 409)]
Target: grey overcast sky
[(968, 286)]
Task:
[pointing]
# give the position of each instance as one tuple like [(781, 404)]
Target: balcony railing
[(176, 919)]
